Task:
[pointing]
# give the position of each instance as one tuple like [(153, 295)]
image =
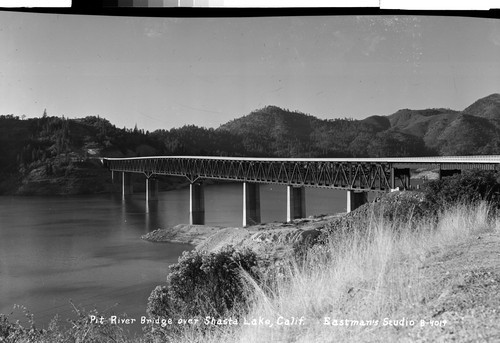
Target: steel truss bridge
[(363, 174)]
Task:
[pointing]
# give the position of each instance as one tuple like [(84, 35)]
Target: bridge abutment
[(355, 199), (196, 204), (251, 203), (127, 184), (151, 189), (295, 203)]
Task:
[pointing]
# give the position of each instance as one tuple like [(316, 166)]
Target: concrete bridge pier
[(295, 203), (196, 204), (251, 203), (115, 182), (151, 189), (404, 175), (127, 184), (355, 199)]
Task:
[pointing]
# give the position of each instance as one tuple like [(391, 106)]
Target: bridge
[(355, 175)]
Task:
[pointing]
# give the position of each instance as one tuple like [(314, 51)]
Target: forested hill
[(278, 132), (49, 155), (52, 155)]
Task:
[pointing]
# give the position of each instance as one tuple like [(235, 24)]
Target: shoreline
[(182, 233), (277, 236)]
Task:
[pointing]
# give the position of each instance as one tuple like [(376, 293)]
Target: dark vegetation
[(466, 188), (79, 330), (202, 283), (53, 155)]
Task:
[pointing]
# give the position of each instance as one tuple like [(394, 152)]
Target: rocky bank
[(279, 237)]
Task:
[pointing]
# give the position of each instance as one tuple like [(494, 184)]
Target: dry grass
[(358, 282)]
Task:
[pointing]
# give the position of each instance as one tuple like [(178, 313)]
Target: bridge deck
[(343, 173)]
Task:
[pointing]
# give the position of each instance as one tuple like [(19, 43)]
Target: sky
[(160, 73)]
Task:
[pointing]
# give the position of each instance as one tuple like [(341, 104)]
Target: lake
[(88, 248)]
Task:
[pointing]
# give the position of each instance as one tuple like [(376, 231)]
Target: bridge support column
[(115, 181), (251, 203), (295, 203), (392, 181), (403, 174), (356, 199), (151, 189), (127, 184), (196, 204)]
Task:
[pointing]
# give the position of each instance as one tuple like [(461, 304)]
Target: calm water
[(88, 248)]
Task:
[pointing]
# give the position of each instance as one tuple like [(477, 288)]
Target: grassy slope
[(449, 276)]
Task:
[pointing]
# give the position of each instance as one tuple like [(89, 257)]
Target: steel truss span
[(349, 173)]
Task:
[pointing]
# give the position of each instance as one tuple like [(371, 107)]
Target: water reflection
[(151, 218)]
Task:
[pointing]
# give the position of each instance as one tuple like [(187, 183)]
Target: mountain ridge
[(439, 131)]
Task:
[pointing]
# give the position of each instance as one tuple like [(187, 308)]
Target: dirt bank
[(212, 238)]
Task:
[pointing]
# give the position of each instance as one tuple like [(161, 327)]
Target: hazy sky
[(168, 72)]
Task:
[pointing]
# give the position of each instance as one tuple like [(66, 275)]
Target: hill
[(426, 124), (475, 130), (487, 107), (273, 131), (52, 155)]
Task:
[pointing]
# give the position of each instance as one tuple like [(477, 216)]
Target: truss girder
[(327, 174)]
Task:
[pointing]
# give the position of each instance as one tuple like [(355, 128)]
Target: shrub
[(399, 208), (81, 330), (207, 284), (159, 302), (14, 331), (467, 188), (5, 327)]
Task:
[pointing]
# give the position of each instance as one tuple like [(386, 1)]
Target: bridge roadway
[(356, 175)]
